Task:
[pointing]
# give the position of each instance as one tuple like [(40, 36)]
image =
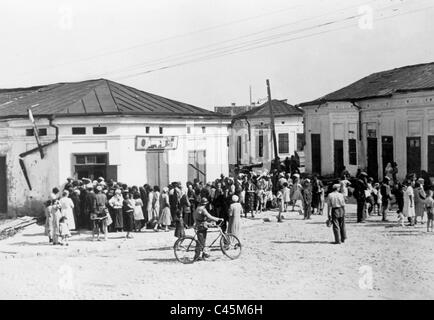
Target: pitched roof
[(280, 109), (381, 84), (92, 97)]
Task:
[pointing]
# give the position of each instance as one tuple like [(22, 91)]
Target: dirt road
[(290, 260)]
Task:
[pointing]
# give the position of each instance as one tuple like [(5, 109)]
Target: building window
[(41, 132), (147, 129), (78, 130), (203, 129), (352, 151), (188, 130), (283, 143), (99, 130), (261, 143), (300, 141), (161, 130)]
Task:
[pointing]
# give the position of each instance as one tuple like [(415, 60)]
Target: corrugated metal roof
[(280, 108), (409, 78), (92, 97)]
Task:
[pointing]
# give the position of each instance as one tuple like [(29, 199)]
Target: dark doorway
[(387, 151), (316, 153), (431, 154), (157, 168), (239, 150), (3, 186), (91, 166), (372, 158), (413, 155), (338, 156)]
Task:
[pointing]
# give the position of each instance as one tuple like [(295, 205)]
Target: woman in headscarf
[(419, 200), (116, 203), (67, 206), (165, 215), (408, 209), (235, 212)]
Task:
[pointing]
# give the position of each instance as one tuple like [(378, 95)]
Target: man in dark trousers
[(359, 194), (89, 207), (336, 214), (386, 195)]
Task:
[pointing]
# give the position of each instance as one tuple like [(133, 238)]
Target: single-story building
[(385, 117), (251, 139), (102, 128)]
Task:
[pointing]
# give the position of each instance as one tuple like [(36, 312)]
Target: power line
[(184, 53), (177, 36), (216, 55), (172, 59)]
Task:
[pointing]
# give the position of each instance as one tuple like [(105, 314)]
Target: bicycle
[(185, 247)]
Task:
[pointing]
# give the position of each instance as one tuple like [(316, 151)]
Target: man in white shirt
[(336, 214)]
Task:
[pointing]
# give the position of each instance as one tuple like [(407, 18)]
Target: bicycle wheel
[(185, 249), (230, 245)]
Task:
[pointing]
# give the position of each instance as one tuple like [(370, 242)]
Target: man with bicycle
[(201, 221)]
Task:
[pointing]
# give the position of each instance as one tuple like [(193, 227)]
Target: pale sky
[(214, 42)]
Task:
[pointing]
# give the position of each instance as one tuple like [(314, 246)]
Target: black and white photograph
[(248, 150)]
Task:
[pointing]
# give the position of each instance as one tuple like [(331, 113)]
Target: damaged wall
[(42, 173)]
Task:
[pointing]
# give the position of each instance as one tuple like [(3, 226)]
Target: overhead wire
[(249, 47)]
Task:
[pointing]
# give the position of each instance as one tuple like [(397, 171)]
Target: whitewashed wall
[(119, 143)]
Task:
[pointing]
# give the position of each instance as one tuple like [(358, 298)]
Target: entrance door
[(316, 153), (431, 154), (157, 168), (386, 151), (338, 156), (372, 158), (196, 165), (413, 155), (3, 186)]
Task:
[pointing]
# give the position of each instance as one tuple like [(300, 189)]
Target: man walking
[(336, 214)]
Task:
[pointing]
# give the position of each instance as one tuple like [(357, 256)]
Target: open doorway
[(91, 166)]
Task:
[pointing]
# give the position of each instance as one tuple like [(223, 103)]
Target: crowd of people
[(109, 206)]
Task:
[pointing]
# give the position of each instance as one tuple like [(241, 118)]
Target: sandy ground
[(290, 260)]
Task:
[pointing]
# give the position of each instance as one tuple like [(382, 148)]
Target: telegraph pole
[(273, 129)]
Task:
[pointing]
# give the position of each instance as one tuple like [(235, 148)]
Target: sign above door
[(156, 143)]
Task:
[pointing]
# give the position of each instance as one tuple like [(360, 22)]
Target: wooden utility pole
[(273, 129)]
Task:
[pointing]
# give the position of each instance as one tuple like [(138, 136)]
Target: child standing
[(286, 196), (429, 203), (64, 231), (280, 203), (179, 224)]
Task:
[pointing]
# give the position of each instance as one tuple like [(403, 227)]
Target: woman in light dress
[(388, 171), (156, 207), (165, 215), (67, 207), (419, 200), (235, 212), (296, 196), (408, 209), (138, 212)]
